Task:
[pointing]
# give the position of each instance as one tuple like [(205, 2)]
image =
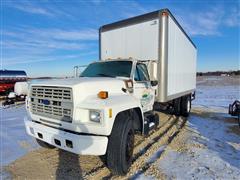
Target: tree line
[(219, 73)]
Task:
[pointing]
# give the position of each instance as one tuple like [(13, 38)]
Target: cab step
[(151, 122)]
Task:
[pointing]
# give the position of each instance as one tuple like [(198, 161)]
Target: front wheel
[(120, 146)]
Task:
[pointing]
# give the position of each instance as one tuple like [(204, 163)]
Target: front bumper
[(78, 144)]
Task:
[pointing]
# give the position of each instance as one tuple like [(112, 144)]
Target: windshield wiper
[(105, 75)]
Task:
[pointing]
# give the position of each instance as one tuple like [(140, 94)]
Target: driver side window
[(141, 73)]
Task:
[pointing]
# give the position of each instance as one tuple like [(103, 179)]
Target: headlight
[(95, 115)]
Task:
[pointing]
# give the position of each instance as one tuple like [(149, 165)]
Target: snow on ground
[(14, 140), (217, 92)]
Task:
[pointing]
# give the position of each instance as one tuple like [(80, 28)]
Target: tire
[(120, 145), (156, 117), (177, 106), (186, 105), (44, 144)]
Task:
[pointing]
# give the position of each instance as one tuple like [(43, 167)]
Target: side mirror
[(154, 83)]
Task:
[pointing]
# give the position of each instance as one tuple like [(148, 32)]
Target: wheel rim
[(130, 145), (188, 105)]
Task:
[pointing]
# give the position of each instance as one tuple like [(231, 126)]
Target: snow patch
[(157, 154), (14, 140)]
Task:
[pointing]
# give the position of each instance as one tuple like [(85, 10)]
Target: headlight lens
[(95, 115)]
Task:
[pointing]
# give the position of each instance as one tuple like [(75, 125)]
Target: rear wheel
[(44, 144), (121, 144), (177, 106), (186, 105)]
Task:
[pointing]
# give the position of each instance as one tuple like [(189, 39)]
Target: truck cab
[(90, 114)]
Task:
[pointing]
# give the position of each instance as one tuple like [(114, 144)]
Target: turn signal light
[(103, 94)]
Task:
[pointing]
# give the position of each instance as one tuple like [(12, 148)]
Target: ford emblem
[(45, 102)]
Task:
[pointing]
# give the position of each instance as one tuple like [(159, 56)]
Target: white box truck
[(145, 61)]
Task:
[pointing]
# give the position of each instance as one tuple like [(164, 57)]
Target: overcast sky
[(48, 38)]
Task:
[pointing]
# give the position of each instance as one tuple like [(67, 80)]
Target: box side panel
[(181, 62), (138, 41)]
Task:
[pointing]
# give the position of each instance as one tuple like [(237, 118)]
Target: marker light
[(164, 14), (110, 113), (103, 94)]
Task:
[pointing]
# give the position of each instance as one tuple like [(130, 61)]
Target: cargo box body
[(159, 39)]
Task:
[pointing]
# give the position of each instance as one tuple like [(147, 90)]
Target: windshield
[(108, 69)]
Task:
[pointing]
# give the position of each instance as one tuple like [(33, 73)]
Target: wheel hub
[(188, 106)]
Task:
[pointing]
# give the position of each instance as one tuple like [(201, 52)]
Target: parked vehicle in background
[(19, 94), (144, 60), (8, 78)]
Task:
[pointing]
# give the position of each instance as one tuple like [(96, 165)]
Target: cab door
[(142, 88)]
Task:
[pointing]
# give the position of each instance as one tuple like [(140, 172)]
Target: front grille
[(52, 93), (52, 102)]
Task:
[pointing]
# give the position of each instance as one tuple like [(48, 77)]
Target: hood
[(84, 86), (74, 81)]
